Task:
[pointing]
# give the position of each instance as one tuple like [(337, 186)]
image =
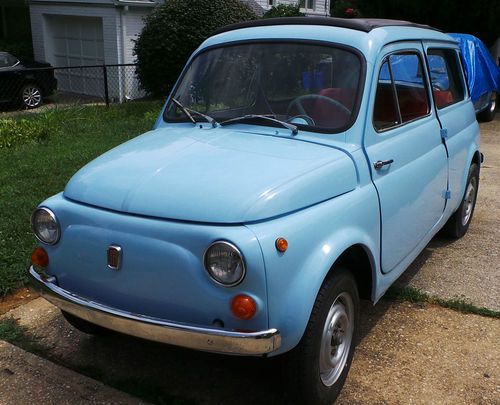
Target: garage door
[(78, 41)]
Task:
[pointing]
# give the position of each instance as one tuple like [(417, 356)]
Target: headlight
[(45, 226), (225, 263)]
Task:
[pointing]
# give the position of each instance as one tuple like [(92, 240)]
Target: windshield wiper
[(291, 127), (189, 111)]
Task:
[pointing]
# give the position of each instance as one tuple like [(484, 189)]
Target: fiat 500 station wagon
[(298, 166)]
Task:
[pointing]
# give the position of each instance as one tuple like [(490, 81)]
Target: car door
[(407, 157), (455, 112)]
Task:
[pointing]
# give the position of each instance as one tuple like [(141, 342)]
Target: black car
[(25, 84)]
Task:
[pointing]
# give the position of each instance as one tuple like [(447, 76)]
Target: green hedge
[(173, 31), (284, 10)]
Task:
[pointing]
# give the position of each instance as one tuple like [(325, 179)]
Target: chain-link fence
[(30, 87)]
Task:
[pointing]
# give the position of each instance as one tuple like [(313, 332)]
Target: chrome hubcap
[(470, 196), (31, 96), (336, 339)]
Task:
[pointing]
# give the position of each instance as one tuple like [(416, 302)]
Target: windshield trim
[(306, 128)]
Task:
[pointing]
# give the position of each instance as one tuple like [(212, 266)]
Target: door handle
[(381, 163)]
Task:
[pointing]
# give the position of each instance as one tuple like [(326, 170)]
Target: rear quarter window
[(446, 76)]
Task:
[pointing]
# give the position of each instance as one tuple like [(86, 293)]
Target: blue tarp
[(483, 74)]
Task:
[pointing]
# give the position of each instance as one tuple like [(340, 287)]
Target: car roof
[(358, 24), (367, 36)]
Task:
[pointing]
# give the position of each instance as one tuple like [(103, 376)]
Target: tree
[(173, 31)]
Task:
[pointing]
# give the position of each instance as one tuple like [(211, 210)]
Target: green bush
[(173, 31), (20, 131), (284, 10)]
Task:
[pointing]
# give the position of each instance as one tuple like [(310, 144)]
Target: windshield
[(311, 86)]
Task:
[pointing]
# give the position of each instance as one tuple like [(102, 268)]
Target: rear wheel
[(459, 222), (488, 114), (317, 368), (85, 326), (31, 96)]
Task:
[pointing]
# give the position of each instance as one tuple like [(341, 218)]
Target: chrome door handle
[(381, 163)]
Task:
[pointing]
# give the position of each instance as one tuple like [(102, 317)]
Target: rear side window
[(7, 60), (401, 91), (446, 76)]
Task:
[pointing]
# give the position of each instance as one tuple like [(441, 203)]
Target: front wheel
[(459, 222), (317, 368)]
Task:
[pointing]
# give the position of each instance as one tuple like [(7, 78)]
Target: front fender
[(316, 237)]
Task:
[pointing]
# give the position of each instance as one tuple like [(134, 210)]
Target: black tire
[(85, 326), (488, 114), (303, 365), (31, 96), (459, 222)]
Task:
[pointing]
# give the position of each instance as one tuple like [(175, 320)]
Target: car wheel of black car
[(488, 114), (31, 96), (317, 368), (459, 222), (85, 326)]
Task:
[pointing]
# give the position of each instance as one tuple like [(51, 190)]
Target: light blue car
[(298, 166)]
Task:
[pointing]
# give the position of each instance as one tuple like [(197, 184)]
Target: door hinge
[(444, 133), (447, 194)]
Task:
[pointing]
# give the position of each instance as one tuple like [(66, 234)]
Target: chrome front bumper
[(158, 330)]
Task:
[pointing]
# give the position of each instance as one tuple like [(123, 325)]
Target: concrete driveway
[(409, 353)]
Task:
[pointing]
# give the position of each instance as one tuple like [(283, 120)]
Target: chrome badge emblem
[(114, 257)]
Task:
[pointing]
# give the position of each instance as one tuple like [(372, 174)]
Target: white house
[(97, 32)]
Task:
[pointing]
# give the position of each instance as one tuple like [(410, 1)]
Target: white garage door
[(78, 41)]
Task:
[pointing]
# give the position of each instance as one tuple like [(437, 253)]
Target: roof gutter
[(138, 3)]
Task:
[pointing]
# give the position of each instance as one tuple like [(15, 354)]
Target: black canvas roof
[(358, 24)]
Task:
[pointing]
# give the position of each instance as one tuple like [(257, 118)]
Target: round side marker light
[(40, 258), (243, 307), (281, 245)]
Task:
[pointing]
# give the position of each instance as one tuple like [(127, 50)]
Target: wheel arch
[(357, 257), (361, 263)]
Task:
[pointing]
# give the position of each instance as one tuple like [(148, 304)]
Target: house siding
[(134, 22)]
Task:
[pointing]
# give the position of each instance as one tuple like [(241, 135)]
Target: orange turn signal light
[(281, 245), (243, 306), (39, 257)]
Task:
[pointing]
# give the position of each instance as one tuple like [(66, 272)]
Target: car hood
[(218, 175)]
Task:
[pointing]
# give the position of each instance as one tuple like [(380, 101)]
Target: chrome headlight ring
[(45, 226), (224, 263)]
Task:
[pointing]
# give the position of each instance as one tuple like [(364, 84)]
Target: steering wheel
[(309, 121), (297, 102)]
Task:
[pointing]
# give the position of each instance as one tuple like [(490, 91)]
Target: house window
[(308, 4), (271, 2)]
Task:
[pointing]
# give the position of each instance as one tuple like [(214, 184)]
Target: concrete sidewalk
[(28, 379)]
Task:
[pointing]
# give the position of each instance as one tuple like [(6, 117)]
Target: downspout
[(122, 83)]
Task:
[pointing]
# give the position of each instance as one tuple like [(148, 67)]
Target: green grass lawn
[(35, 169)]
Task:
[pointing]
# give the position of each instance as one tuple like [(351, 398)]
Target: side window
[(401, 91), (446, 77)]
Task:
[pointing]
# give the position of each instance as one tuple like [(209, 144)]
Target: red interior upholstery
[(412, 103), (326, 114), (442, 97)]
